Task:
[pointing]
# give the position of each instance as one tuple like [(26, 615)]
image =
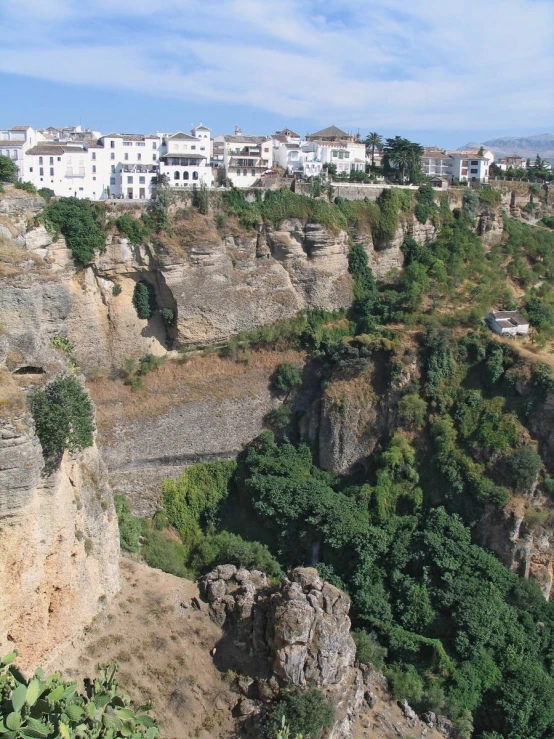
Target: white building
[(507, 322), (69, 169), (470, 166), (436, 162), (514, 161), (123, 153), (341, 149), (13, 144), (186, 159), (300, 159), (245, 158)]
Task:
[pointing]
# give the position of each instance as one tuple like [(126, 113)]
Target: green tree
[(287, 377), (144, 299), (8, 170), (80, 225), (523, 467), (372, 142), (64, 417), (307, 712), (130, 527), (412, 411)]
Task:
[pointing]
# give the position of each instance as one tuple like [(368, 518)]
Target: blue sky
[(436, 71)]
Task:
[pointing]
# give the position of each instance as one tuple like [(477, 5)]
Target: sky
[(436, 71)]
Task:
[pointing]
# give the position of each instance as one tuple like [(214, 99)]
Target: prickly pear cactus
[(51, 708)]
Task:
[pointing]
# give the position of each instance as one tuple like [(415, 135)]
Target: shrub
[(64, 417), (227, 548), (51, 707), (168, 315), (470, 202), (162, 553), (307, 712), (523, 467), (133, 228), (192, 501), (27, 186), (287, 377), (77, 221), (406, 684), (368, 649), (8, 170), (46, 193), (412, 411), (130, 527), (489, 195), (279, 418), (116, 289), (144, 300)]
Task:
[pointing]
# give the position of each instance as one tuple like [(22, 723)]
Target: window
[(142, 180), (94, 178), (127, 143), (195, 175), (129, 180), (93, 155), (51, 171), (202, 148), (193, 147), (141, 143), (30, 169), (139, 156), (245, 172), (40, 160), (126, 157), (185, 175), (81, 189), (41, 171), (112, 156), (59, 159), (474, 164), (112, 180), (94, 167), (153, 157), (253, 172), (51, 160), (113, 167), (112, 144), (153, 144), (176, 175)]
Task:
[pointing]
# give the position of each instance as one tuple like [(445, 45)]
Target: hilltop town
[(79, 162)]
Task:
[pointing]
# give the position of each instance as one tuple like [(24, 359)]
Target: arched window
[(253, 171), (245, 172), (176, 176), (195, 175), (185, 175)]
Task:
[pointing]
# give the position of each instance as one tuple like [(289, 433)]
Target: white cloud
[(377, 63)]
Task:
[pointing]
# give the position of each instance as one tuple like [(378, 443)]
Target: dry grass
[(178, 382), (190, 228), (12, 399), (16, 261)]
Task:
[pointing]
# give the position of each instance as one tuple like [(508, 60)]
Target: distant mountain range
[(525, 146)]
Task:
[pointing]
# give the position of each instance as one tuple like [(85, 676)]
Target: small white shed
[(507, 322)]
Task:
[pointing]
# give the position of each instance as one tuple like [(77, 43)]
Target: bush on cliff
[(130, 527), (79, 223), (64, 417), (306, 711), (8, 170), (286, 378), (144, 300)]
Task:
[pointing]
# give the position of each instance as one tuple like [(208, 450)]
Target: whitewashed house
[(507, 323), (299, 159), (514, 161), (245, 158), (69, 169), (13, 144), (470, 166), (185, 159), (130, 164), (341, 149), (436, 163)]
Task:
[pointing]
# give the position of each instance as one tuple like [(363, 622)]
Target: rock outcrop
[(59, 542)]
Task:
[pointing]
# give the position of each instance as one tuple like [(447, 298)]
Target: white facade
[(13, 144), (468, 166), (185, 159), (126, 152), (346, 156), (70, 170), (245, 158), (508, 323), (299, 159), (435, 162)]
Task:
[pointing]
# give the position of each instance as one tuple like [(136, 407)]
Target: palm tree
[(373, 141)]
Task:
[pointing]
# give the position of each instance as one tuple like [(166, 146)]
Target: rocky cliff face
[(59, 542)]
